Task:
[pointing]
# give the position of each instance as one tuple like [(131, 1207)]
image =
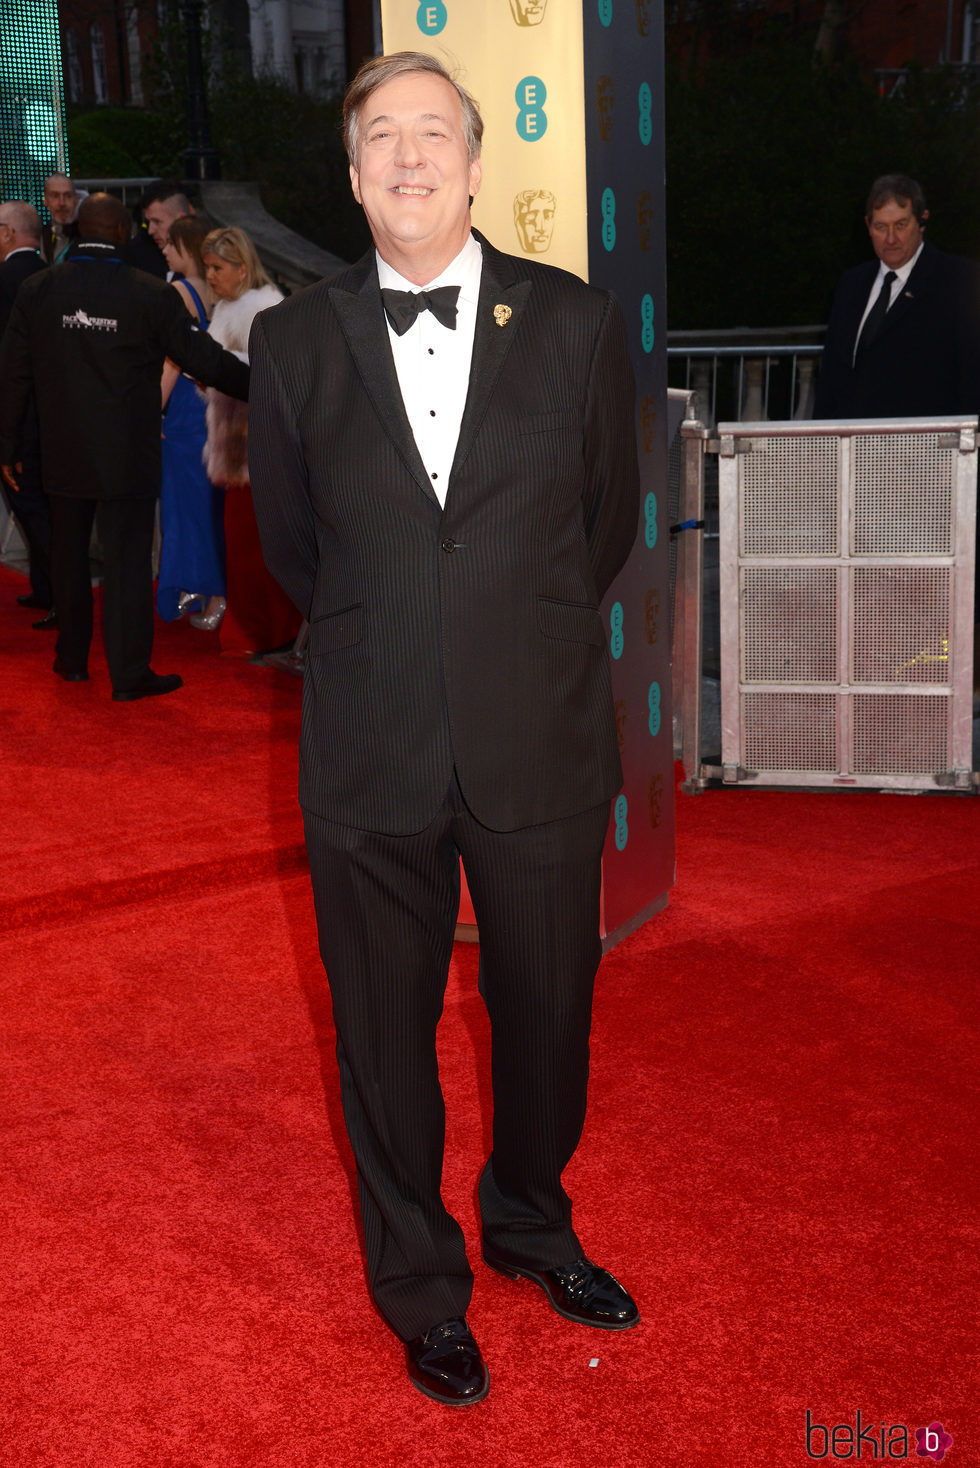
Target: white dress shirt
[(433, 363), (898, 285)]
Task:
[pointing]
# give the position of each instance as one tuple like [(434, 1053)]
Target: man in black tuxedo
[(20, 241), (90, 337), (446, 494), (903, 339)]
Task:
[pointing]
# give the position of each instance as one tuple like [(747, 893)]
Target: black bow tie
[(402, 307)]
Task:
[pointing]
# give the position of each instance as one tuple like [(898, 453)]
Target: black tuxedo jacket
[(469, 636), (925, 360), (91, 337), (13, 272)]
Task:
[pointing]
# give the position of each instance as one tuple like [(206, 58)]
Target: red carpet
[(779, 1156)]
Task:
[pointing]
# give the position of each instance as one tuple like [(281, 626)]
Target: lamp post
[(200, 158)]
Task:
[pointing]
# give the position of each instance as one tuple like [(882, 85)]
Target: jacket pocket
[(569, 621), (337, 629)]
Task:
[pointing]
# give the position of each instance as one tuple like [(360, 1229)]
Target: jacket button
[(449, 546)]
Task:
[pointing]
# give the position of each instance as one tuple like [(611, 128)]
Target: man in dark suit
[(446, 496), (20, 240), (61, 232), (903, 339), (90, 337)]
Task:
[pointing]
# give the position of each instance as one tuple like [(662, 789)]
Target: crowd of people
[(210, 564)]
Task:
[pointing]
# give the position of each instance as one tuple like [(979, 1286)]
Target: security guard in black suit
[(903, 339), (91, 336)]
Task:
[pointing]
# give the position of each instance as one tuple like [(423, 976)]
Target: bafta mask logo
[(605, 98), (643, 17), (655, 799), (528, 12), (648, 423), (651, 614), (534, 219), (644, 219), (619, 709)]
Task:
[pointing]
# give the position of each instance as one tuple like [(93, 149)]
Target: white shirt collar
[(463, 271), (903, 272), (31, 249)]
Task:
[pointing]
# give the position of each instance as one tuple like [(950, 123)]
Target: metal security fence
[(846, 586)]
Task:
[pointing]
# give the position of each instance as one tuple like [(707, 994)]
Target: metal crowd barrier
[(847, 566)]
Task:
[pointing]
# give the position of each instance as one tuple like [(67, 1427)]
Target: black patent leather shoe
[(70, 675), (46, 624), (579, 1290), (446, 1364), (32, 600), (151, 685)]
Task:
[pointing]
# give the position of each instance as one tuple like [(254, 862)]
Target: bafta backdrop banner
[(522, 61), (571, 93)]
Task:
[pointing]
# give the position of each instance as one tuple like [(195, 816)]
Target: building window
[(73, 66), (99, 80), (135, 59)]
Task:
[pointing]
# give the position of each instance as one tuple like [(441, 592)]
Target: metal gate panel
[(846, 569), (792, 498), (790, 731), (904, 489), (900, 621), (789, 624)]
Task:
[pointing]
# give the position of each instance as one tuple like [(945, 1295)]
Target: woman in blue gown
[(192, 555)]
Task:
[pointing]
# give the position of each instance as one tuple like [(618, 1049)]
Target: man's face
[(59, 196), (535, 220), (895, 232), (414, 178), (528, 12), (159, 217)]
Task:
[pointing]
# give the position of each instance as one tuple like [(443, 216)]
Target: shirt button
[(448, 546)]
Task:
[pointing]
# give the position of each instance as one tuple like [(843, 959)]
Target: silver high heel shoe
[(186, 600), (210, 621)]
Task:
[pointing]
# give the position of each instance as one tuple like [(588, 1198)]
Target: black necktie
[(875, 317), (402, 307)]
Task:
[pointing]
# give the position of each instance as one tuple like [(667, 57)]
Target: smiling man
[(442, 450), (903, 339)]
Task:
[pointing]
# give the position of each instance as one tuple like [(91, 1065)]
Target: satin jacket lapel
[(499, 286), (362, 320)]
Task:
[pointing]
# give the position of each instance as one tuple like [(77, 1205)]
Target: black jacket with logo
[(91, 336)]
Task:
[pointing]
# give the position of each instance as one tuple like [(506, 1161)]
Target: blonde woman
[(259, 615)]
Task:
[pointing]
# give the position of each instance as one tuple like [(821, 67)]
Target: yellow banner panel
[(523, 62)]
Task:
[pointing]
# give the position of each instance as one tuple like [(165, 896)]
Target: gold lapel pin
[(502, 314)]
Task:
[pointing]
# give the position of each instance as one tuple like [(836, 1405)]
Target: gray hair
[(380, 69), (22, 218)]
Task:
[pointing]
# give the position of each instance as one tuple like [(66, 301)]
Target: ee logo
[(653, 702), (431, 17), (608, 219), (616, 628), (646, 317), (645, 99), (619, 815), (650, 527), (532, 121), (605, 12)]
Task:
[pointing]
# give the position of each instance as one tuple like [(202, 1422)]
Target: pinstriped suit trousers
[(386, 912)]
